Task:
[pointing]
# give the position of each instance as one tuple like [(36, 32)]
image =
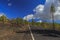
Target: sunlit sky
[(18, 8)]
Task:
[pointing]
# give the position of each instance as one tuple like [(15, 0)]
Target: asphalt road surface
[(37, 35), (45, 37), (33, 34), (42, 36)]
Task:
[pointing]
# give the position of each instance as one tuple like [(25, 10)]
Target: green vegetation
[(10, 27), (18, 24)]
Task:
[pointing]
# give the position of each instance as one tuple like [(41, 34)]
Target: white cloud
[(40, 21), (39, 11), (57, 13), (9, 4), (28, 17), (1, 14), (43, 11), (8, 0), (39, 8)]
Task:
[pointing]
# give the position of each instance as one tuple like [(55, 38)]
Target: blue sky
[(18, 8)]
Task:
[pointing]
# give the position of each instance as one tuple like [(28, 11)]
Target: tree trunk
[(53, 21)]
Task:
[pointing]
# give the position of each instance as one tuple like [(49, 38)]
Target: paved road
[(42, 35), (27, 36), (37, 35)]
